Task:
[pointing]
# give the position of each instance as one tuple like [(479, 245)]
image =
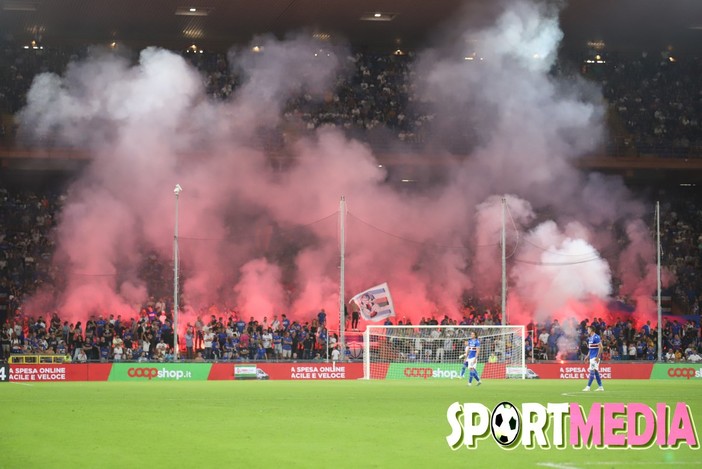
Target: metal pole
[(658, 274), (342, 301), (504, 264), (177, 192)]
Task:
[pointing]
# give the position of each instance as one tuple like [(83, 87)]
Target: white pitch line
[(23, 384), (568, 465), (582, 393), (636, 463)]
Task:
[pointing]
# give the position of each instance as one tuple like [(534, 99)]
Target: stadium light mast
[(658, 275), (504, 263), (342, 302), (177, 192)]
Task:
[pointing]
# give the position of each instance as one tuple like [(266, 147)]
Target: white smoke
[(249, 229)]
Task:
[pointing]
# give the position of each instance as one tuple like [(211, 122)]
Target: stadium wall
[(323, 371)]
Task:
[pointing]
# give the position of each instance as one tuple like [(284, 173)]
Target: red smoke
[(263, 240)]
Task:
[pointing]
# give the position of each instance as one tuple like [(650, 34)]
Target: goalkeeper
[(471, 359)]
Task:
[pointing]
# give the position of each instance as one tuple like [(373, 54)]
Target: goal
[(433, 352)]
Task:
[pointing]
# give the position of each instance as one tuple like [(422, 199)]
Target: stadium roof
[(404, 23)]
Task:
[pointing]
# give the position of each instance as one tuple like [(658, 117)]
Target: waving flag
[(375, 304)]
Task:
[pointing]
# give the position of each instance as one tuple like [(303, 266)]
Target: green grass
[(290, 424)]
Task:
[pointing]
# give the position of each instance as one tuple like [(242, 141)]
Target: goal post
[(433, 352)]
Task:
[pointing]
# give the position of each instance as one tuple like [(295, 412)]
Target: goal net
[(433, 352)]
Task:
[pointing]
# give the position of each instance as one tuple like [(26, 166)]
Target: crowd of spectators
[(681, 234), (27, 223), (621, 340), (654, 100), (149, 337), (18, 67), (377, 96)]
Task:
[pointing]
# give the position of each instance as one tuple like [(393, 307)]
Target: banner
[(160, 371), (179, 371), (59, 372), (678, 371), (309, 371), (580, 370), (375, 304)]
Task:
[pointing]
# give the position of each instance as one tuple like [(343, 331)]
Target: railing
[(38, 359)]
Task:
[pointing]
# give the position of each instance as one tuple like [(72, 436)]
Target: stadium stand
[(654, 105), (663, 118)]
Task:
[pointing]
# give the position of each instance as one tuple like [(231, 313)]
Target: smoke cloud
[(259, 232)]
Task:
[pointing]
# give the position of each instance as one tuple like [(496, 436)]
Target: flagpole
[(177, 192), (342, 302), (504, 265), (658, 274)]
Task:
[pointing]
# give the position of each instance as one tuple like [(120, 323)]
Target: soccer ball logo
[(355, 350), (505, 423)]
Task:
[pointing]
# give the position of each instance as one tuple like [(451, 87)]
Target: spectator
[(118, 353), (267, 341), (632, 351), (670, 356), (209, 338), (81, 357)]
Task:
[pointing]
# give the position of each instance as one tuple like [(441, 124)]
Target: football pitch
[(290, 424)]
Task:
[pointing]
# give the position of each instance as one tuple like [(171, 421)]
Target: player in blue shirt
[(594, 344), (471, 359)]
